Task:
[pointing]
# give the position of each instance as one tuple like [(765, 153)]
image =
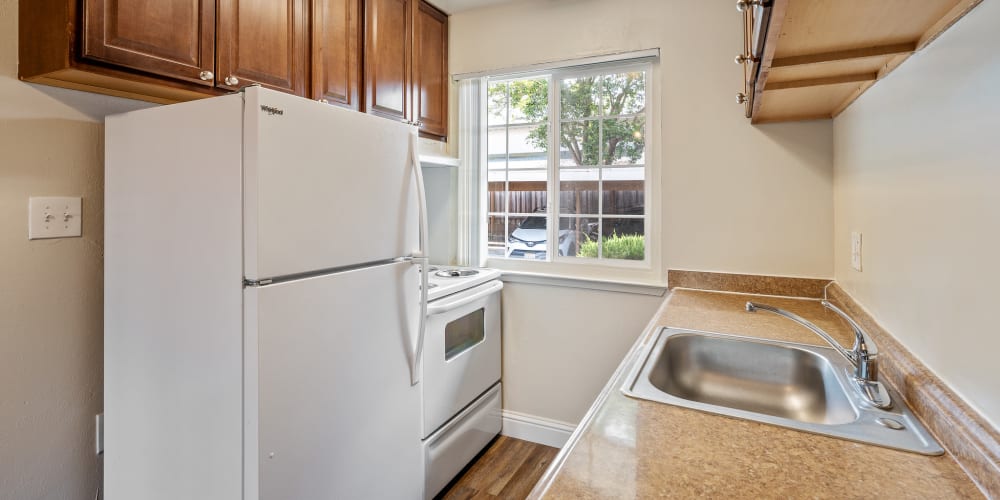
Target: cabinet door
[(387, 58), (430, 70), (265, 42), (336, 56), (174, 38)]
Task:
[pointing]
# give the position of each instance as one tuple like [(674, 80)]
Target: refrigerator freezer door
[(324, 187), (330, 399)]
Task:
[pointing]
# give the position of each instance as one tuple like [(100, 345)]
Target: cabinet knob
[(743, 58), (743, 5), (232, 80), (206, 75), (741, 98)]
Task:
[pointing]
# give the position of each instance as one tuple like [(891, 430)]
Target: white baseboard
[(536, 429)]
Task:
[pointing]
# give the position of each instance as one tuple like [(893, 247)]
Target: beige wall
[(561, 345), (917, 172), (51, 299), (734, 197)]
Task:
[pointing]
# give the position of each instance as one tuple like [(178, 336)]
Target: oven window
[(464, 333)]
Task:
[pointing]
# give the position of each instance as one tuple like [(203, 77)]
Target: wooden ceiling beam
[(794, 118), (816, 82), (957, 12), (845, 55)]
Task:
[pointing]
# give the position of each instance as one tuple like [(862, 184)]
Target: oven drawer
[(461, 355), (453, 446)]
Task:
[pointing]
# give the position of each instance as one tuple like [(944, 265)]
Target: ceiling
[(453, 6)]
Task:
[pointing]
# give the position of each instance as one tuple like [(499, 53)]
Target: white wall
[(917, 172), (734, 197), (561, 345), (51, 300)]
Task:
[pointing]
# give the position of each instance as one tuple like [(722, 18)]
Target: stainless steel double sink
[(792, 385)]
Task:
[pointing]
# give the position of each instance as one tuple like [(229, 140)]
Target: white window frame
[(645, 270)]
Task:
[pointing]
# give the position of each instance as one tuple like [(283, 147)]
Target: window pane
[(528, 192), (497, 196), (578, 188), (578, 143), (496, 147), (623, 239), (496, 104), (529, 146), (623, 93), (579, 97), (496, 236), (574, 232), (529, 101), (624, 191), (527, 238), (624, 141)]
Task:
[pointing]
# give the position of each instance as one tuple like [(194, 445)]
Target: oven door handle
[(439, 307)]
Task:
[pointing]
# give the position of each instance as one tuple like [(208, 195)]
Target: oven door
[(461, 356)]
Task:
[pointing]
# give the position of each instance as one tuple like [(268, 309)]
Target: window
[(566, 163)]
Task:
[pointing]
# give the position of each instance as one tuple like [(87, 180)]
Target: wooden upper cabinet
[(265, 42), (430, 70), (174, 38), (336, 52), (385, 57), (388, 25)]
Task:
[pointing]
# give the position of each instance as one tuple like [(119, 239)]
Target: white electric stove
[(460, 367)]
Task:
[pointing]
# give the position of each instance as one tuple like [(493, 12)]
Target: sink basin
[(799, 386), (758, 377)]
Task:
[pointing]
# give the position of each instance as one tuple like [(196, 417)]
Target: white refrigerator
[(263, 302)]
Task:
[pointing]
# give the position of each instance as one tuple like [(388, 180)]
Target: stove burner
[(456, 273)]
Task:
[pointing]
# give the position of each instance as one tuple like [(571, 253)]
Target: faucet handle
[(862, 341)]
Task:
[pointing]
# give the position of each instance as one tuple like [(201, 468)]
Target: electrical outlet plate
[(54, 217), (856, 250)]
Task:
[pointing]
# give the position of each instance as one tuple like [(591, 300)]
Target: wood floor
[(507, 469)]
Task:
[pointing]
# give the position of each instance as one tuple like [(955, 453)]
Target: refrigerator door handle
[(418, 175), (420, 259), (418, 351)]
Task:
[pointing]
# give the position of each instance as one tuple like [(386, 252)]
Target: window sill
[(639, 288)]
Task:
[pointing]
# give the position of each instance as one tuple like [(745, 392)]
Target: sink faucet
[(863, 355)]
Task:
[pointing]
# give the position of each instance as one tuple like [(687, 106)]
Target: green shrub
[(628, 246)]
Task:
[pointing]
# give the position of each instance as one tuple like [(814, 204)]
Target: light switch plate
[(54, 217), (856, 250)]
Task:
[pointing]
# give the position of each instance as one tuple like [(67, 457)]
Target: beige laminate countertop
[(632, 448)]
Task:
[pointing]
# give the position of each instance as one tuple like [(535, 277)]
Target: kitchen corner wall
[(51, 325), (733, 197), (917, 173)]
